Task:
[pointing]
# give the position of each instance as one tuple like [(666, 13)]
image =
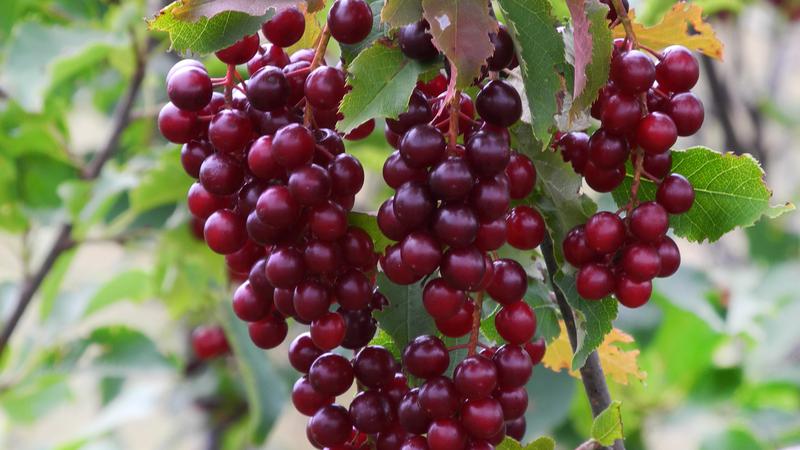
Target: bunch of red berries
[(643, 109)]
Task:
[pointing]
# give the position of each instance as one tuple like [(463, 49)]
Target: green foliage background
[(103, 352)]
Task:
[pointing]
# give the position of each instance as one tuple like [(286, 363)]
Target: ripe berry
[(658, 165), (515, 429), (268, 89), (521, 176), (491, 235), (203, 203), (516, 323), (230, 131), (395, 269), (268, 332), (499, 103), (325, 87), (209, 342), (633, 72), (331, 426), (353, 290), (277, 207), (389, 224), (285, 28), (514, 366), (525, 228), (536, 349), (193, 154), (482, 418), (463, 268), (621, 113), (418, 112), (306, 399), (675, 194), (396, 171), (249, 305), (183, 64), (442, 301), (240, 52), (678, 70), (605, 232), (455, 225), (225, 232), (607, 151), (575, 149), (293, 146), (177, 125), (438, 397), (632, 294), (189, 88), (328, 221), (331, 374), (514, 402), (656, 133), (603, 180), (686, 110), (302, 352), (373, 366), (446, 434), (415, 41), (413, 204), (361, 328), (327, 332), (350, 21), (490, 197), (311, 299), (669, 256), (576, 247), (509, 281), (488, 152), (421, 252), (503, 49), (310, 185), (451, 180), (641, 262), (411, 415), (594, 282), (422, 145), (372, 412), (649, 222), (426, 357), (285, 267), (460, 324)]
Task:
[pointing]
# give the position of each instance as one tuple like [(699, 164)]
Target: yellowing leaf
[(618, 364), (682, 25)]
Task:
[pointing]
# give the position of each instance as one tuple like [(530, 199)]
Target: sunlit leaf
[(607, 426)]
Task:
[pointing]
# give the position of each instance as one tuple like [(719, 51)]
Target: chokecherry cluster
[(643, 109)]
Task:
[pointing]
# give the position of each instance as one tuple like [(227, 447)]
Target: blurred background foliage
[(101, 360)]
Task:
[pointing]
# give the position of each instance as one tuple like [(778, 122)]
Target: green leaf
[(124, 348), (538, 297), (460, 29), (110, 387), (205, 35), (734, 438), (191, 10), (397, 13), (543, 443), (593, 43), (165, 183), (383, 339), (350, 52), (36, 55), (729, 192), (131, 285), (607, 426), (369, 223), (488, 327), (52, 283), (594, 319), (266, 391), (382, 80), (541, 57), (405, 318), (39, 178), (34, 397)]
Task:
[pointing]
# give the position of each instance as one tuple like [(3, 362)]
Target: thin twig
[(594, 381), (476, 324), (64, 240)]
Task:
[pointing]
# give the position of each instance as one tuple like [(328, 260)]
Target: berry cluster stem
[(637, 177), (229, 82), (476, 324), (622, 15), (319, 56), (455, 113)]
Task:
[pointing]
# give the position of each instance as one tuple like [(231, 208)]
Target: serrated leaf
[(729, 190), (369, 223), (592, 318), (405, 318), (382, 80), (682, 25), (592, 45), (543, 443), (192, 10), (349, 52), (266, 391), (36, 55), (540, 49), (383, 339), (131, 285), (397, 13), (618, 364), (206, 35), (460, 29), (607, 426), (162, 184)]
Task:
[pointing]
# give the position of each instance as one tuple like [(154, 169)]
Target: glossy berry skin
[(658, 165), (516, 428), (455, 225), (410, 414), (621, 113), (330, 426), (675, 194), (451, 180), (525, 228), (460, 324), (413, 204), (422, 145), (446, 434), (277, 207), (656, 133), (418, 112), (209, 342), (441, 300), (594, 282), (328, 331), (503, 49), (576, 247), (669, 255), (230, 131), (183, 64), (240, 52), (268, 89), (350, 21), (521, 175), (475, 377), (225, 232), (372, 412), (649, 222), (193, 154), (395, 269), (574, 148), (606, 150), (415, 41), (633, 72), (306, 400), (482, 418), (421, 252), (536, 349), (285, 268), (325, 87), (248, 305), (490, 197), (687, 111), (285, 28), (491, 235), (426, 357), (603, 180), (509, 281), (203, 203), (516, 323), (605, 232), (303, 353), (488, 153), (641, 262), (353, 290), (293, 146), (310, 185), (438, 397), (396, 171), (514, 366), (499, 103), (311, 299), (177, 125), (678, 70), (331, 374), (632, 294), (373, 366), (463, 268), (268, 332), (189, 88)]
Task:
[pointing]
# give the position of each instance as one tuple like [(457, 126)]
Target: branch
[(594, 382), (720, 96), (64, 240)]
